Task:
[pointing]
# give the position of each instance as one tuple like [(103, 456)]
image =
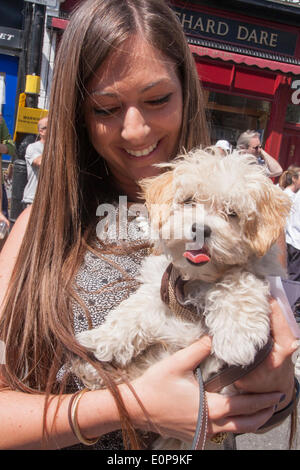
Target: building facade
[(247, 55), (11, 43), (248, 59)]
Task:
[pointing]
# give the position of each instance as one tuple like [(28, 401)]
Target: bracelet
[(72, 415)]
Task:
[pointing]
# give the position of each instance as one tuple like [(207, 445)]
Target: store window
[(230, 115), (293, 114)]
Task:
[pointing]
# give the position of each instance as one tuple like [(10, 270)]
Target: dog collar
[(172, 294)]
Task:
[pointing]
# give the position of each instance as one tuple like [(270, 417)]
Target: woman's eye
[(158, 101), (105, 112)]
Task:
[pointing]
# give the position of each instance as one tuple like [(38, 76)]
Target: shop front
[(248, 67), (10, 46)]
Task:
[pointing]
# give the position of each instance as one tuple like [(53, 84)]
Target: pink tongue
[(196, 256)]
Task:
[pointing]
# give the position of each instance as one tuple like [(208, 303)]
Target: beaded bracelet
[(72, 415)]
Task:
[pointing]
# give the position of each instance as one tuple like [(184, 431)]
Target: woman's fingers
[(285, 341), (240, 413), (242, 424), (189, 358), (243, 404)]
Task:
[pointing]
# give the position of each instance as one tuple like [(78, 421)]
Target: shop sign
[(28, 118), (236, 32), (10, 38), (296, 94)]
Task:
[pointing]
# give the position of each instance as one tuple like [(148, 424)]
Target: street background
[(276, 439)]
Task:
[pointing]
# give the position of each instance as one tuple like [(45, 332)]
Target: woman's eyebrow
[(154, 84), (103, 93), (111, 94)]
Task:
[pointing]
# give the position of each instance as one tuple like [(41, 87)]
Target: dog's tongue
[(197, 256)]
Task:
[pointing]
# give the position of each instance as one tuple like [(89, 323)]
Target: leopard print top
[(102, 282)]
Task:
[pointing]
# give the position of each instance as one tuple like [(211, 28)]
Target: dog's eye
[(231, 213), (189, 200)]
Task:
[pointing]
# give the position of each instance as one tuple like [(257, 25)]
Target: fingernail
[(282, 398)]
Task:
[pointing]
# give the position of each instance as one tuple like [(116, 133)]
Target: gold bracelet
[(72, 414)]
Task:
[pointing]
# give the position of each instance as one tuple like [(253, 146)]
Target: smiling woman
[(125, 96)]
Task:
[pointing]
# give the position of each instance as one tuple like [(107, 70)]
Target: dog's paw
[(107, 347), (87, 374), (95, 342), (237, 350)]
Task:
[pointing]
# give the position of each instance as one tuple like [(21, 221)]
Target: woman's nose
[(135, 127)]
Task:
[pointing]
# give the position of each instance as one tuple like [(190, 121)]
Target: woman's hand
[(276, 373), (170, 394)]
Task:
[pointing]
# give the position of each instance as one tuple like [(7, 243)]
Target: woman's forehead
[(136, 62)]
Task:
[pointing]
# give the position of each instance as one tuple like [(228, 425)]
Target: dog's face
[(213, 212)]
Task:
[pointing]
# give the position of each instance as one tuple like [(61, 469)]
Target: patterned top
[(102, 282)]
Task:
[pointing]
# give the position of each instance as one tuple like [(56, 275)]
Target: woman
[(6, 146), (125, 96), (290, 183)]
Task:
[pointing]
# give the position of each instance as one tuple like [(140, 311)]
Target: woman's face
[(133, 112)]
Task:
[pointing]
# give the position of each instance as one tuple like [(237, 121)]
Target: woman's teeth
[(142, 153)]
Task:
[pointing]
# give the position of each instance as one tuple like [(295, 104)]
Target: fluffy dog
[(216, 220)]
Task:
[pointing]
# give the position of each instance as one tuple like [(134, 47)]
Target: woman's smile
[(142, 152)]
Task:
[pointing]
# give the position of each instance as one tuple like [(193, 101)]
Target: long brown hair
[(36, 323)]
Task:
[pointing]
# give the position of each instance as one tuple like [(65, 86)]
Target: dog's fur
[(244, 214)]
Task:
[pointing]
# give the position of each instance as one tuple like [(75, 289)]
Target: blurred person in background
[(250, 142), (290, 183), (223, 146), (33, 157), (7, 146)]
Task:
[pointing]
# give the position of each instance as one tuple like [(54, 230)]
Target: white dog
[(217, 220)]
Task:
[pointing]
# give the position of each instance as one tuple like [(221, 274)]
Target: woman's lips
[(141, 153)]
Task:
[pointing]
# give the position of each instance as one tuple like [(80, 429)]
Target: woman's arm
[(168, 391), (174, 409)]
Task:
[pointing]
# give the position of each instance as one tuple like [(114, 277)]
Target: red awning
[(245, 59)]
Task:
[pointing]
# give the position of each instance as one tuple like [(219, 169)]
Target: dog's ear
[(272, 209), (158, 193)]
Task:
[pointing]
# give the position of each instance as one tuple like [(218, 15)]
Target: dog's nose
[(206, 229)]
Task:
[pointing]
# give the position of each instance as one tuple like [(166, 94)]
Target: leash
[(218, 381), (201, 427), (172, 294)]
